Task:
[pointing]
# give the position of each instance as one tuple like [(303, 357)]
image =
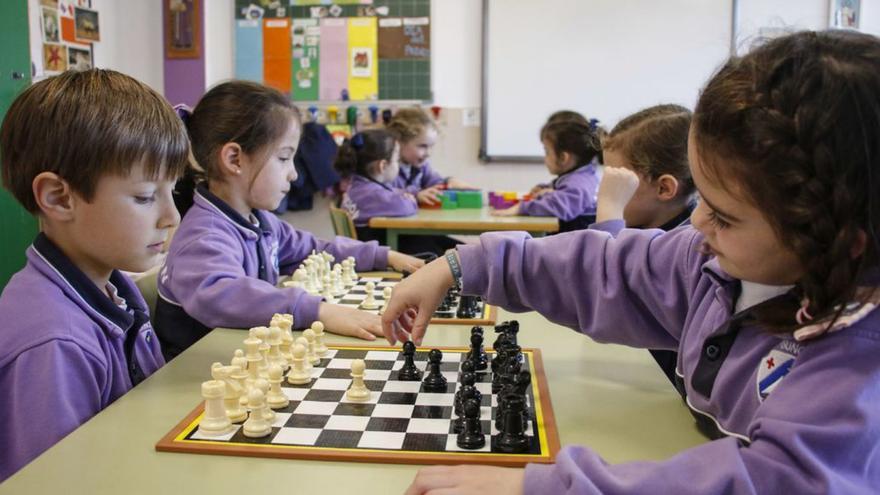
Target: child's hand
[(509, 212), (429, 196), (352, 322), (410, 197), (616, 189), (476, 480), (454, 183), (404, 262), (414, 300), (538, 191)]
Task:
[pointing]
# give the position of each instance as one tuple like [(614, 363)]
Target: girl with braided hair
[(770, 296)]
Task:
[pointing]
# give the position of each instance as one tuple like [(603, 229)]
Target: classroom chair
[(342, 223)]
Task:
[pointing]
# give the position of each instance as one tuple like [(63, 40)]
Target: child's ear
[(54, 196), (231, 156), (566, 159), (858, 247), (382, 166), (667, 187)]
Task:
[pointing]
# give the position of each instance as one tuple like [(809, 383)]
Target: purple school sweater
[(799, 417), (413, 179), (223, 270), (573, 195), (367, 198), (66, 352)]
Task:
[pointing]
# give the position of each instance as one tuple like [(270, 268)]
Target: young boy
[(94, 155)]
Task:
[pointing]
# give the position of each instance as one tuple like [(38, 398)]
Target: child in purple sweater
[(770, 297), (94, 154), (226, 258)]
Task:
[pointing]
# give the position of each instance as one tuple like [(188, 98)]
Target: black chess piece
[(498, 365), (471, 436), (514, 385), (467, 307), (477, 355), (512, 330), (501, 330), (408, 372), (435, 381), (466, 392), (512, 438), (512, 366)]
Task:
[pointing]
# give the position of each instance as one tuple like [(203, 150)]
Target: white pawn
[(256, 425), (312, 356), (214, 422), (370, 301), (320, 346), (307, 364), (284, 348), (298, 374), (275, 356), (325, 292), (386, 296), (254, 358), (263, 386), (358, 392), (262, 333), (276, 398)]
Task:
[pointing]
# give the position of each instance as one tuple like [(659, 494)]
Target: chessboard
[(450, 313), (400, 423)]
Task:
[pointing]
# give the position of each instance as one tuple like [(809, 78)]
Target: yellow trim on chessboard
[(539, 422)]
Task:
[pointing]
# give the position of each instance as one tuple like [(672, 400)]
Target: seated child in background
[(571, 151), (371, 160), (417, 133), (559, 116), (228, 253), (94, 154), (771, 298), (647, 182)]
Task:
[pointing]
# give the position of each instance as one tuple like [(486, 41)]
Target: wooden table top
[(478, 219)]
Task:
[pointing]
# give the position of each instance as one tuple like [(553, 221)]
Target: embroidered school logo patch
[(774, 367)]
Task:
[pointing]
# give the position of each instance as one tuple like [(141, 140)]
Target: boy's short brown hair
[(83, 125)]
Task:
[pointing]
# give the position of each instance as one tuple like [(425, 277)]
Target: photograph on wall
[(182, 34), (361, 62), (845, 14), (87, 27), (79, 59), (50, 24), (54, 57)]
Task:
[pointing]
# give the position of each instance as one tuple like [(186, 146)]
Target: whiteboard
[(603, 58)]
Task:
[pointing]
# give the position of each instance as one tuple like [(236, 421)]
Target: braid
[(793, 114)]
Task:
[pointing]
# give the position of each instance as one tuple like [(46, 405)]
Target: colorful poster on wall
[(417, 38), (363, 76), (249, 49), (87, 27), (79, 59), (54, 57), (333, 54), (306, 63), (50, 25), (277, 54)]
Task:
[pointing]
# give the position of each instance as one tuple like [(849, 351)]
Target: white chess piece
[(312, 356), (275, 356), (320, 346), (214, 422), (358, 392), (233, 389), (325, 292), (262, 333), (263, 386), (256, 425), (254, 358), (386, 296), (370, 301), (298, 374), (284, 348), (276, 398)]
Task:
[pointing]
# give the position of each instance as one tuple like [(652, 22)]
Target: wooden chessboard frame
[(175, 440)]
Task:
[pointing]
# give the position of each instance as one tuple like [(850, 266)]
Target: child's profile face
[(737, 232), (552, 161), (418, 149), (125, 225), (276, 171)]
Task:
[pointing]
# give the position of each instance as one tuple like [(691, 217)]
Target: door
[(17, 226)]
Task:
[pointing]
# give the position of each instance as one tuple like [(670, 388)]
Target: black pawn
[(408, 372), (435, 381), (471, 436), (512, 438), (477, 354), (512, 330), (466, 392)]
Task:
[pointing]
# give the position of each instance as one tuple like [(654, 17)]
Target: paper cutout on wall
[(277, 54), (249, 50), (333, 56), (306, 63), (363, 77)]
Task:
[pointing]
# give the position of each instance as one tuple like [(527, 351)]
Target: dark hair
[(408, 123), (566, 116), (243, 112), (654, 141), (83, 125), (583, 140), (356, 154), (796, 124)]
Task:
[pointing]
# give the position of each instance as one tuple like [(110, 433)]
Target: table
[(611, 398), (467, 221)]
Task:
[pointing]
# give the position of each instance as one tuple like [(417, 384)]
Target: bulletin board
[(357, 50), (67, 30)]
